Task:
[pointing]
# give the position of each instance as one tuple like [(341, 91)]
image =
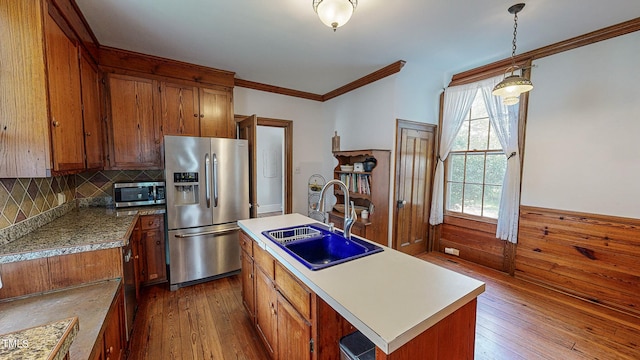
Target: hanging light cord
[(515, 33)]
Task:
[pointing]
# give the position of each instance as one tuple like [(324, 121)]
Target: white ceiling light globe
[(334, 13)]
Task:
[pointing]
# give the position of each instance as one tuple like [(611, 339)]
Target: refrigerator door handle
[(215, 180), (206, 180), (218, 232)]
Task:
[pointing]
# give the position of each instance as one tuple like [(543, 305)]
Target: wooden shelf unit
[(376, 227)]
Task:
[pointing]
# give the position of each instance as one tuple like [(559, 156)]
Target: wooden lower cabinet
[(149, 252), (248, 289), (283, 308), (294, 332), (112, 341), (266, 321)]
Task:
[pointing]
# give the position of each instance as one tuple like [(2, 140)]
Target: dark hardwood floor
[(515, 320)]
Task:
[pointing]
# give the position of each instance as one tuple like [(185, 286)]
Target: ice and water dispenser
[(185, 188)]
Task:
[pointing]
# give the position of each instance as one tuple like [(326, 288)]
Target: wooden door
[(294, 333), (266, 315), (91, 113), (65, 106), (414, 172), (180, 110), (247, 130), (216, 113), (248, 292), (134, 140)]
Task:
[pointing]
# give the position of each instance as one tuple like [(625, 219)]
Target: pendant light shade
[(334, 13), (513, 85)]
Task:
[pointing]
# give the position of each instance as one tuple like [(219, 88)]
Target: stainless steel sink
[(317, 248)]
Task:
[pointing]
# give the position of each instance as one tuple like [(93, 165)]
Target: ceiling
[(283, 43)]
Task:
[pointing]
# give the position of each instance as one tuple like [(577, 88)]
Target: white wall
[(417, 93), (582, 147), (269, 166), (311, 134)]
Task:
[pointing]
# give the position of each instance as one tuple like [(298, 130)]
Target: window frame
[(486, 152)]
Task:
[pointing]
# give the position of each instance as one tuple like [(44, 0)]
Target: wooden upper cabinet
[(134, 141), (65, 107), (91, 113), (216, 113), (180, 110), (41, 124)]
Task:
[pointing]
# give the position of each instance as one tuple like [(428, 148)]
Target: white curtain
[(457, 103), (504, 120)]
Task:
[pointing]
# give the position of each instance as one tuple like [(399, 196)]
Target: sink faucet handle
[(353, 214)]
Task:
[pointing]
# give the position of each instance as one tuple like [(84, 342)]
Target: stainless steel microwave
[(139, 193)]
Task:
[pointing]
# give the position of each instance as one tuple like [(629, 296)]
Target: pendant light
[(513, 85), (334, 13)]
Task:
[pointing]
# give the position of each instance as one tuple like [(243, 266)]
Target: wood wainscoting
[(595, 257), (476, 241)]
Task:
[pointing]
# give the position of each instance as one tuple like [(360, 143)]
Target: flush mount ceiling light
[(334, 13), (513, 85)]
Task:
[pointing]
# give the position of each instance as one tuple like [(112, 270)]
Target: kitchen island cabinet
[(431, 309)]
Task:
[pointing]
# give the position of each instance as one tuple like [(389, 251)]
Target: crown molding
[(495, 68), (365, 80)]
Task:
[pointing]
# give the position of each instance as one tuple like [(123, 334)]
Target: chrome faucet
[(349, 211)]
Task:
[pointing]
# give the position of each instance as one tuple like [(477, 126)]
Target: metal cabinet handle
[(55, 123), (88, 133)]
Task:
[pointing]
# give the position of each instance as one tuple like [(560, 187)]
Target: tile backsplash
[(27, 198), (24, 198), (95, 188)]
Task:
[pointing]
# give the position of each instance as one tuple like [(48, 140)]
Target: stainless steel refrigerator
[(207, 192)]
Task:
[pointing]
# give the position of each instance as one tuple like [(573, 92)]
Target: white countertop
[(390, 297)]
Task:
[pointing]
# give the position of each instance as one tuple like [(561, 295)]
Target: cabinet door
[(135, 138), (180, 112), (91, 113), (248, 293), (114, 333), (216, 113), (65, 107), (294, 333), (154, 255), (138, 264), (266, 306)]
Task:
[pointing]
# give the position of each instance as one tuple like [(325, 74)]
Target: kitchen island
[(405, 306)]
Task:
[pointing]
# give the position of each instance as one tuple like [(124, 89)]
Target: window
[(475, 166)]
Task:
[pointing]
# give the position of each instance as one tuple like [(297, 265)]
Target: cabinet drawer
[(148, 222), (246, 243), (263, 259), (298, 295)]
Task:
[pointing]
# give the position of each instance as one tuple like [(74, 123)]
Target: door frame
[(287, 125), (413, 125)]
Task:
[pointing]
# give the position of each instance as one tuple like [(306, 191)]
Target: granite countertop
[(80, 230), (48, 341), (89, 303)]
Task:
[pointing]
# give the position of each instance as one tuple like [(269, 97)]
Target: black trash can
[(357, 347)]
